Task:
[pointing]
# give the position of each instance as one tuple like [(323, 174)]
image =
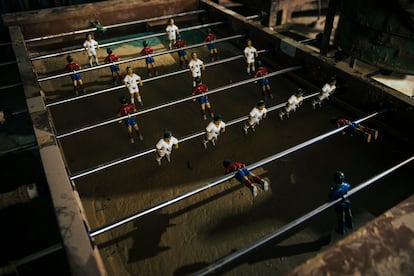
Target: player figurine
[(172, 33), (90, 46), (342, 208), (255, 116), (245, 176), (100, 29), (128, 109), (354, 128), (292, 104), (213, 130), (195, 65), (112, 58), (251, 54), (76, 76), (212, 47), (182, 53), (149, 60), (263, 81), (132, 81), (327, 90), (165, 146), (203, 100)]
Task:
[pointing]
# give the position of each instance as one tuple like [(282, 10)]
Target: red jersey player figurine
[(128, 109), (149, 60), (76, 76), (354, 128), (182, 54), (203, 100), (263, 81), (111, 58), (245, 176), (212, 47)]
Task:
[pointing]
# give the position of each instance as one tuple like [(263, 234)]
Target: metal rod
[(19, 148), (110, 121), (297, 222), (71, 99), (39, 254), (10, 85), (219, 180), (121, 222), (148, 151), (134, 59), (244, 118), (115, 25), (377, 177), (8, 63), (309, 142), (185, 138), (110, 164), (251, 17), (125, 41), (307, 41)]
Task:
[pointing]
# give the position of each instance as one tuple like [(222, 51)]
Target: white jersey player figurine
[(292, 104), (213, 130), (172, 32), (195, 65), (165, 146), (255, 116), (90, 46), (132, 81), (327, 90), (250, 54)]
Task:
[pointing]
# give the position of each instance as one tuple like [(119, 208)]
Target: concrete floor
[(186, 236)]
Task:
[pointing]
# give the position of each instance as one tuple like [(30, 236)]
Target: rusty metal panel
[(380, 33)]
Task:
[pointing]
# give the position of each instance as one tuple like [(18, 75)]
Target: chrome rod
[(148, 151), (110, 121), (8, 63), (294, 224), (114, 25), (10, 85), (133, 59), (185, 138), (39, 254), (71, 99), (219, 180), (124, 41), (252, 17), (19, 148)]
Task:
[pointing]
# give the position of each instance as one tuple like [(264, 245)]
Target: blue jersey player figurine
[(342, 208)]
